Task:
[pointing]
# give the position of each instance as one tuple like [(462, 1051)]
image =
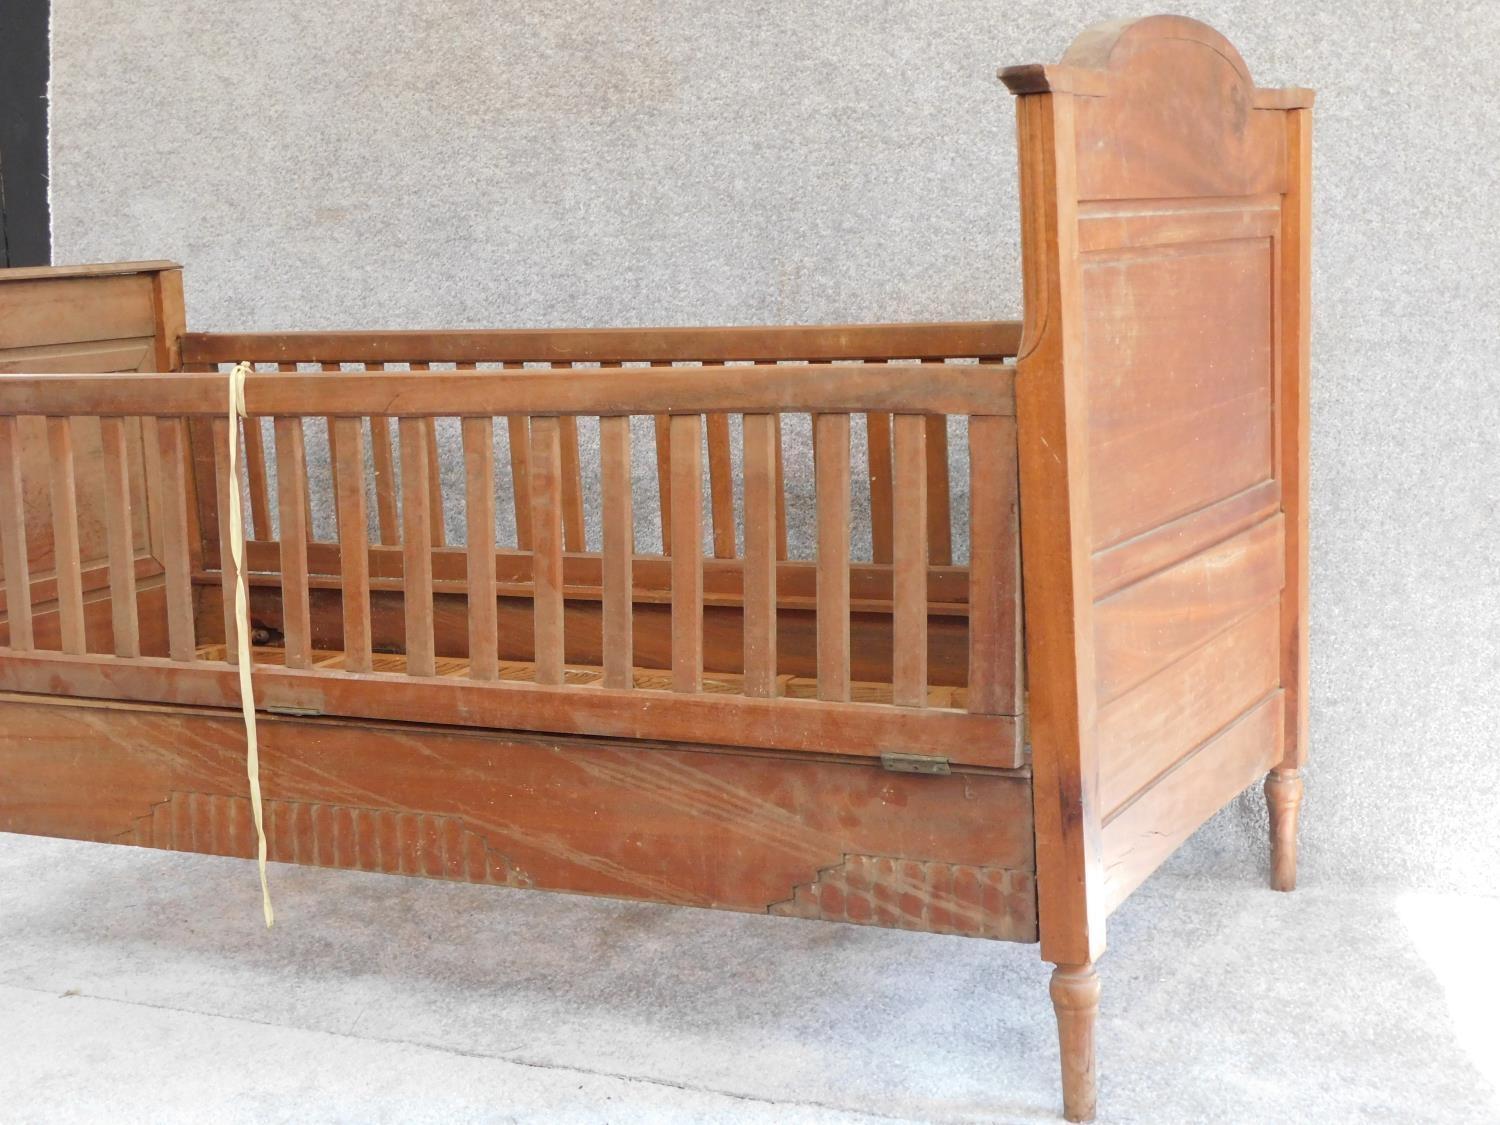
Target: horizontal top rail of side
[(934, 388), (95, 269), (935, 340)]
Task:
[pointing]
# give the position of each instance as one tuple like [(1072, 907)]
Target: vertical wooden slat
[(994, 568), (119, 531), (435, 511), (572, 479), (721, 485), (878, 434), (291, 496), (354, 542), (307, 523), (13, 538), (176, 560), (333, 456), (831, 467), (479, 515), (619, 550), (687, 552), (229, 576), (939, 513), (909, 549), (383, 461), (416, 546), (760, 444), (547, 548), (781, 535), (519, 440), (256, 477), (65, 536), (663, 425)]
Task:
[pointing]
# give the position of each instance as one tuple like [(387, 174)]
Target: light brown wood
[(994, 568), (1284, 801), (65, 535), (831, 467), (435, 507), (291, 497), (255, 472), (878, 450), (519, 440), (939, 500), (721, 485), (547, 544), (910, 547), (13, 538), (687, 552), (479, 510), (761, 441), (416, 546), (354, 543), (229, 575), (387, 487), (662, 427), (172, 517), (120, 533), (618, 552), (1075, 1000), (572, 477)]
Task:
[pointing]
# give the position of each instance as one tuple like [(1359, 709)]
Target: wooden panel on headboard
[(1152, 400), (124, 316)]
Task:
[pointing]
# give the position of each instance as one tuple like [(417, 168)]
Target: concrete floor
[(141, 986)]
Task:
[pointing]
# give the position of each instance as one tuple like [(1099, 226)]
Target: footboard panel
[(691, 825)]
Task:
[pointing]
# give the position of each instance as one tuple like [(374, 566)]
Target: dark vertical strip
[(25, 223)]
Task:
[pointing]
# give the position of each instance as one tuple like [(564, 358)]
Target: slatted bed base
[(651, 679)]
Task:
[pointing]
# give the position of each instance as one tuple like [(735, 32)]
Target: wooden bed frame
[(709, 720)]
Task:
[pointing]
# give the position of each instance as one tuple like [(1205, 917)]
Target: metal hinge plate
[(914, 763)]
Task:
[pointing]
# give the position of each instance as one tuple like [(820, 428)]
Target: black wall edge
[(25, 222)]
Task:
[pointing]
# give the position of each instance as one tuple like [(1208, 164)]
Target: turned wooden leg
[(1075, 999), (1283, 799)]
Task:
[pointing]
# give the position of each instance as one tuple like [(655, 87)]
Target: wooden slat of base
[(721, 485), (354, 543), (760, 444), (13, 537), (416, 546), (663, 431), (618, 551), (831, 468), (912, 483), (878, 442), (939, 503), (229, 575), (863, 730), (994, 568), (291, 493), (65, 535), (687, 552), (119, 530), (479, 512), (176, 559), (547, 545)]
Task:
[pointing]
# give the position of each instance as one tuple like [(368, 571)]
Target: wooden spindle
[(939, 502), (831, 468), (307, 522), (119, 534), (13, 538), (878, 442), (721, 485), (663, 427), (333, 455), (619, 551), (547, 548), (909, 549), (519, 441), (687, 552), (69, 566), (256, 480), (354, 542), (416, 546), (572, 478), (781, 532), (435, 509), (760, 444), (176, 560), (383, 461), (479, 516), (291, 497), (229, 576), (994, 623)]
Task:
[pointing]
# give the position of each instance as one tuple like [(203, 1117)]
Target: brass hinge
[(914, 763)]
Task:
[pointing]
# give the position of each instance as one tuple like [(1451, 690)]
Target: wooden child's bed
[(492, 666)]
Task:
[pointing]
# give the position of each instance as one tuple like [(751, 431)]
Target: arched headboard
[(1161, 407)]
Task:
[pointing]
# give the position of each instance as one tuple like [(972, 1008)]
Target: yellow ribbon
[(242, 624)]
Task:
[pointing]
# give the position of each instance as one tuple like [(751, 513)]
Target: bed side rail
[(1161, 404), (334, 667)]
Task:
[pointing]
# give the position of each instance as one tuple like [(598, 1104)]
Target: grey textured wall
[(593, 163)]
